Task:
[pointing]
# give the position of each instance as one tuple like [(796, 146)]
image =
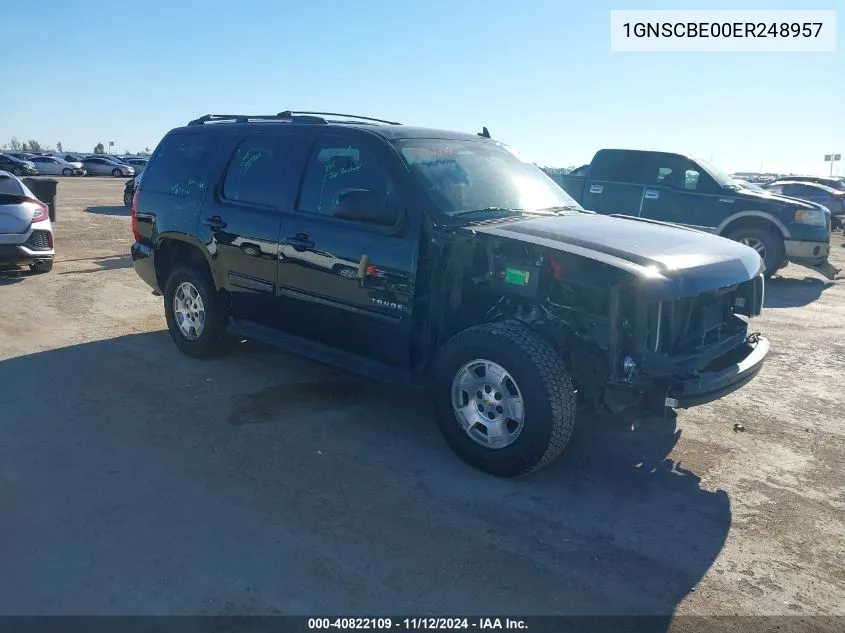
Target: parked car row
[(64, 164)]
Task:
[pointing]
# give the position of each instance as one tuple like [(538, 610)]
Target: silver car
[(26, 233), (102, 166), (137, 164)]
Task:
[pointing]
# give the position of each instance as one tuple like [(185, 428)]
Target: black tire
[(547, 393), (127, 199), (67, 172), (43, 267), (771, 241), (116, 172), (212, 340), (17, 171)]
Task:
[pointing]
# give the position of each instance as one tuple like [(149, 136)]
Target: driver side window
[(338, 165)]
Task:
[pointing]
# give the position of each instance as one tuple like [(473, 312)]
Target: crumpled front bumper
[(724, 375)]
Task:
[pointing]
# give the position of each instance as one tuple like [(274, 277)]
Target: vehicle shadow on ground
[(13, 275), (788, 292), (110, 262), (111, 210), (321, 492)]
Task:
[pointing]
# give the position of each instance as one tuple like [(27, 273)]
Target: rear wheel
[(766, 242), (504, 399), (67, 172), (194, 319), (127, 199)]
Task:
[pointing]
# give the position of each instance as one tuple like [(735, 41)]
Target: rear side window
[(10, 185), (338, 165), (619, 166), (176, 166), (254, 174)]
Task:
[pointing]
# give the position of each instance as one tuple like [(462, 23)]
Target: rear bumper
[(728, 373), (143, 260), (806, 253), (19, 254), (25, 248)]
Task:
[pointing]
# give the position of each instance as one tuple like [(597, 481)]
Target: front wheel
[(504, 399), (191, 310), (67, 172), (767, 244), (116, 173), (17, 171)]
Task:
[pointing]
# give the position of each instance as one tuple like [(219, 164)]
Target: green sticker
[(516, 276)]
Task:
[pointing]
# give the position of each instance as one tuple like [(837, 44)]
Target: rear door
[(681, 192), (322, 296), (615, 182), (243, 214)]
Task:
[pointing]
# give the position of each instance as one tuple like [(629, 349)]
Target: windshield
[(722, 178), (464, 176)]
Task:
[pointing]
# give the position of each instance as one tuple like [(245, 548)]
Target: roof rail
[(290, 113), (245, 118)]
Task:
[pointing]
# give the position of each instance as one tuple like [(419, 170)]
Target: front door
[(679, 191), (342, 283)]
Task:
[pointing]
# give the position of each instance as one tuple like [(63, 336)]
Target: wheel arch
[(758, 219), (180, 249)]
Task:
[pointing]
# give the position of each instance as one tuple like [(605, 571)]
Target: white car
[(52, 166), (26, 233), (321, 259)]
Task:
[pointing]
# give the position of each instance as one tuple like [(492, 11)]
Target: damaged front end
[(682, 352), (661, 338)]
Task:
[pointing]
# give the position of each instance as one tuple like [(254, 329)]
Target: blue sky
[(539, 74)]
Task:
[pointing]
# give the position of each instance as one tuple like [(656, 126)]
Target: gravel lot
[(136, 480)]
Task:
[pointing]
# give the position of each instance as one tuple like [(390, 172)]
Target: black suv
[(414, 255)]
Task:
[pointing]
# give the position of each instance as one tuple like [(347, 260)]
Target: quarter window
[(176, 167)]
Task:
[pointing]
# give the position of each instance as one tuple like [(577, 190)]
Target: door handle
[(300, 242), (652, 194), (215, 223), (596, 188)]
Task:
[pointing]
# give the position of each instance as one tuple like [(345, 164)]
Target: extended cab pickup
[(440, 259), (677, 189)]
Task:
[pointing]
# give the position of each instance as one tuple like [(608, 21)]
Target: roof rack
[(290, 113), (245, 118)]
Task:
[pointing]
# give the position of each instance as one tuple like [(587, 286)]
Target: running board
[(319, 352)]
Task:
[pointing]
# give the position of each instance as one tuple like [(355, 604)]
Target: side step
[(319, 352)]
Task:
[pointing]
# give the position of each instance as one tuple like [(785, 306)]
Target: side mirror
[(364, 205)]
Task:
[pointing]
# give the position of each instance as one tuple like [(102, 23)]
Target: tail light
[(135, 217), (43, 212)]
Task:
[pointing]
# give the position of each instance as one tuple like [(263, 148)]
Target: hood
[(766, 197), (672, 260)]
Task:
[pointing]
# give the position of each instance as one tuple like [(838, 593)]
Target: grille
[(690, 325), (39, 241)]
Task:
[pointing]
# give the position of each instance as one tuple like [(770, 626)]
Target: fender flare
[(210, 257), (755, 214)]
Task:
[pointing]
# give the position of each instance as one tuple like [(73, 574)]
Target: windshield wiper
[(561, 208)]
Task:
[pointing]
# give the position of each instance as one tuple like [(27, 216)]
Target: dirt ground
[(136, 480)]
